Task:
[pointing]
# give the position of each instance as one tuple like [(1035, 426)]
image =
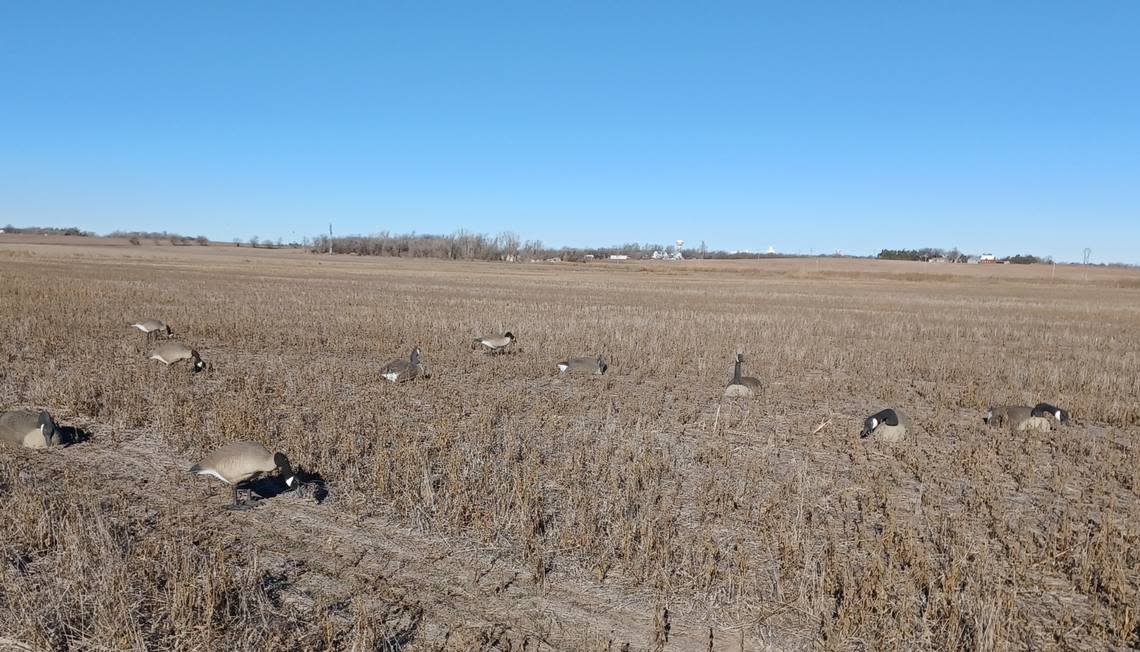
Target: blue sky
[(810, 126)]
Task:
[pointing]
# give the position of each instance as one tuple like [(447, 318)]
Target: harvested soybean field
[(499, 505)]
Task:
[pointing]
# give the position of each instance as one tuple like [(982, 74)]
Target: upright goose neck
[(736, 373)]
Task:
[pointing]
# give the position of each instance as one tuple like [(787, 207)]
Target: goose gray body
[(172, 352), (888, 425), (495, 343), (584, 365), (399, 371), (1042, 417), (242, 461), (742, 386), (152, 327), (29, 428)]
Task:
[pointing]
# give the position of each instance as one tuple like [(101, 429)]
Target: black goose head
[(168, 331), (415, 355), (48, 429), (285, 469), (509, 335), (1047, 410), (872, 422), (602, 366), (196, 363)]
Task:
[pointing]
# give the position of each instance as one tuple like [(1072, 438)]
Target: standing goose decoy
[(153, 328), (888, 425), (29, 429), (742, 385), (593, 366), (1022, 417), (241, 462), (495, 343), (171, 352), (398, 371)]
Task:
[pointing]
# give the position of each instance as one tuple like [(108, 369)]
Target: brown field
[(499, 506)]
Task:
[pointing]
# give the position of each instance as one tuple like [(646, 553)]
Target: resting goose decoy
[(172, 352), (594, 366), (1022, 417), (29, 428), (242, 461), (888, 425), (495, 343), (398, 371), (742, 385), (152, 327)]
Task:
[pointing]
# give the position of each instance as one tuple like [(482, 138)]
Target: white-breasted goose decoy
[(889, 425), (1022, 417), (742, 385), (584, 365), (153, 328), (398, 371), (29, 428), (169, 353), (495, 343), (241, 462)]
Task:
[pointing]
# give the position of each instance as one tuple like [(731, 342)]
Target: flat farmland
[(498, 505)]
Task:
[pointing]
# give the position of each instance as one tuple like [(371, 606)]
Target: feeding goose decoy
[(241, 462), (742, 385), (584, 365), (30, 429), (888, 425), (172, 352), (153, 328), (1022, 417), (495, 343), (398, 371)]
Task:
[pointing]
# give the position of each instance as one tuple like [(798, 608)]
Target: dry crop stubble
[(766, 524)]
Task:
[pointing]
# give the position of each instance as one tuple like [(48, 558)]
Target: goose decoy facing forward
[(29, 429), (153, 327), (172, 352), (399, 371), (594, 366), (742, 385), (495, 343), (240, 462), (888, 425), (1022, 417)]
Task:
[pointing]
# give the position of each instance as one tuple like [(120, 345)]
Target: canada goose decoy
[(399, 371), (888, 425), (153, 327), (1022, 417), (171, 352), (495, 343), (742, 385), (242, 461), (594, 366), (30, 429)]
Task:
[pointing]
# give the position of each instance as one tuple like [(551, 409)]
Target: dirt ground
[(499, 505)]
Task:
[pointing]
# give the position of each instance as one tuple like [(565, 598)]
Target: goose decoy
[(29, 428), (495, 343), (172, 352), (1022, 417), (153, 327), (888, 425), (398, 371), (742, 385), (242, 461), (595, 366)]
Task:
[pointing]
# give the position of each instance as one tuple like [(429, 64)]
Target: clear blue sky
[(1006, 127)]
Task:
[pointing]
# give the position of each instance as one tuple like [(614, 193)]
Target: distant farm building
[(619, 257)]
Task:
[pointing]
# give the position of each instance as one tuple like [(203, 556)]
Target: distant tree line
[(47, 230), (158, 237), (954, 256), (506, 246)]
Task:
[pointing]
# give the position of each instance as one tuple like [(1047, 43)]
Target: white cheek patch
[(1058, 415), (289, 481), (874, 423), (563, 367)]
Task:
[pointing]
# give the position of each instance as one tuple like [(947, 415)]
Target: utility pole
[(330, 238)]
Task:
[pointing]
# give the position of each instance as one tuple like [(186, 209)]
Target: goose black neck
[(736, 373)]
